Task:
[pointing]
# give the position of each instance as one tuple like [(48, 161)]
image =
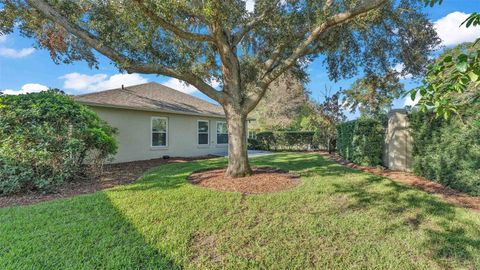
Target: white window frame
[(151, 132), (208, 133), (216, 132)]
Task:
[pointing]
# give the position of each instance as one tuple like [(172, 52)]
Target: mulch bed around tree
[(112, 175), (447, 194), (263, 180)]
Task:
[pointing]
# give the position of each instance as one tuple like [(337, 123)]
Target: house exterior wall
[(134, 134), (398, 142)]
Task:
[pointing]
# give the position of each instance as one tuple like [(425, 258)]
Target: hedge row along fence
[(361, 141), (282, 140), (448, 151)]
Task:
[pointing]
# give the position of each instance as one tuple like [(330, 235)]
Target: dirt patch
[(112, 175), (204, 246), (263, 180), (447, 194)]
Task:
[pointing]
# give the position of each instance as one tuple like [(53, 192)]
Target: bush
[(448, 151), (361, 141), (285, 140), (253, 144), (45, 138)]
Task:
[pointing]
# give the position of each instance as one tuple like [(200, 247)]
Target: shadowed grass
[(337, 218)]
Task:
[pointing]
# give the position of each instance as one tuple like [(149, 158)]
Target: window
[(159, 131), (252, 135), (222, 133), (202, 128)]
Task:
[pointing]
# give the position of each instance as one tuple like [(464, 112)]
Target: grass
[(337, 218)]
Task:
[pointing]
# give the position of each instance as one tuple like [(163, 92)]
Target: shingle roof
[(151, 97)]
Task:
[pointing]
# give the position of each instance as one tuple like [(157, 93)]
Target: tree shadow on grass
[(169, 176), (172, 176), (448, 235), (85, 232), (306, 165)]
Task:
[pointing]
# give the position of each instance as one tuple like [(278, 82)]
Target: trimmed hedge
[(361, 141), (284, 140), (448, 151)]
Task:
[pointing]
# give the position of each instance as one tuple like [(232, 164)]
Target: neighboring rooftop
[(151, 97)]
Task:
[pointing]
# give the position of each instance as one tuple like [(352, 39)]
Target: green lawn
[(337, 218)]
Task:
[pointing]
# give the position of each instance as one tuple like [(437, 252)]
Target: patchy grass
[(337, 218)]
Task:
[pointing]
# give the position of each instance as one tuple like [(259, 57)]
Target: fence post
[(398, 142)]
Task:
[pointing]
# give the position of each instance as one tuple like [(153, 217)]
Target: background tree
[(373, 95), (281, 104), (322, 118), (204, 40)]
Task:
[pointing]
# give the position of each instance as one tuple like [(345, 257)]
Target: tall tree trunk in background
[(238, 165)]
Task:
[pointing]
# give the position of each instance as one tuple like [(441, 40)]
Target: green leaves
[(45, 139), (451, 82), (446, 149), (472, 20), (361, 141), (432, 3), (373, 94), (473, 76)]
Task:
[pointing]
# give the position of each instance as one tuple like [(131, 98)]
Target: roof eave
[(95, 104)]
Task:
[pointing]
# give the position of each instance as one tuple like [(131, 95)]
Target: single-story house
[(154, 120)]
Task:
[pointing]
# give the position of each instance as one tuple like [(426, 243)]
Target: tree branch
[(303, 49), (249, 26), (328, 5), (126, 63), (170, 27)]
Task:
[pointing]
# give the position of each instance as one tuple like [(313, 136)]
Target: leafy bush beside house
[(448, 151), (361, 141), (45, 138)]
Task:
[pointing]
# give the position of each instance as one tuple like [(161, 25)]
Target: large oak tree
[(201, 41)]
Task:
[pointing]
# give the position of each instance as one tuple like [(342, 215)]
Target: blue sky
[(25, 69)]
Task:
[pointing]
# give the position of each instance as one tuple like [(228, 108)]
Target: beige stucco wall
[(134, 134), (398, 142)]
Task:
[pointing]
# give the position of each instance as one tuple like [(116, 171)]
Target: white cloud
[(26, 88), (182, 87), (91, 83), (250, 5), (451, 33), (399, 68), (409, 102), (13, 53)]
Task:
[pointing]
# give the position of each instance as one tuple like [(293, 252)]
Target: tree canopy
[(373, 95), (281, 104), (193, 40)]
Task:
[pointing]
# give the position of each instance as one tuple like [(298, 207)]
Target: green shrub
[(253, 144), (45, 138), (285, 140), (361, 141), (448, 151)]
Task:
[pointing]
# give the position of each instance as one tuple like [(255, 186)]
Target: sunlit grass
[(337, 218)]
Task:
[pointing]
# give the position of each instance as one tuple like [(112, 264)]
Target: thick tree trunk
[(238, 165)]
